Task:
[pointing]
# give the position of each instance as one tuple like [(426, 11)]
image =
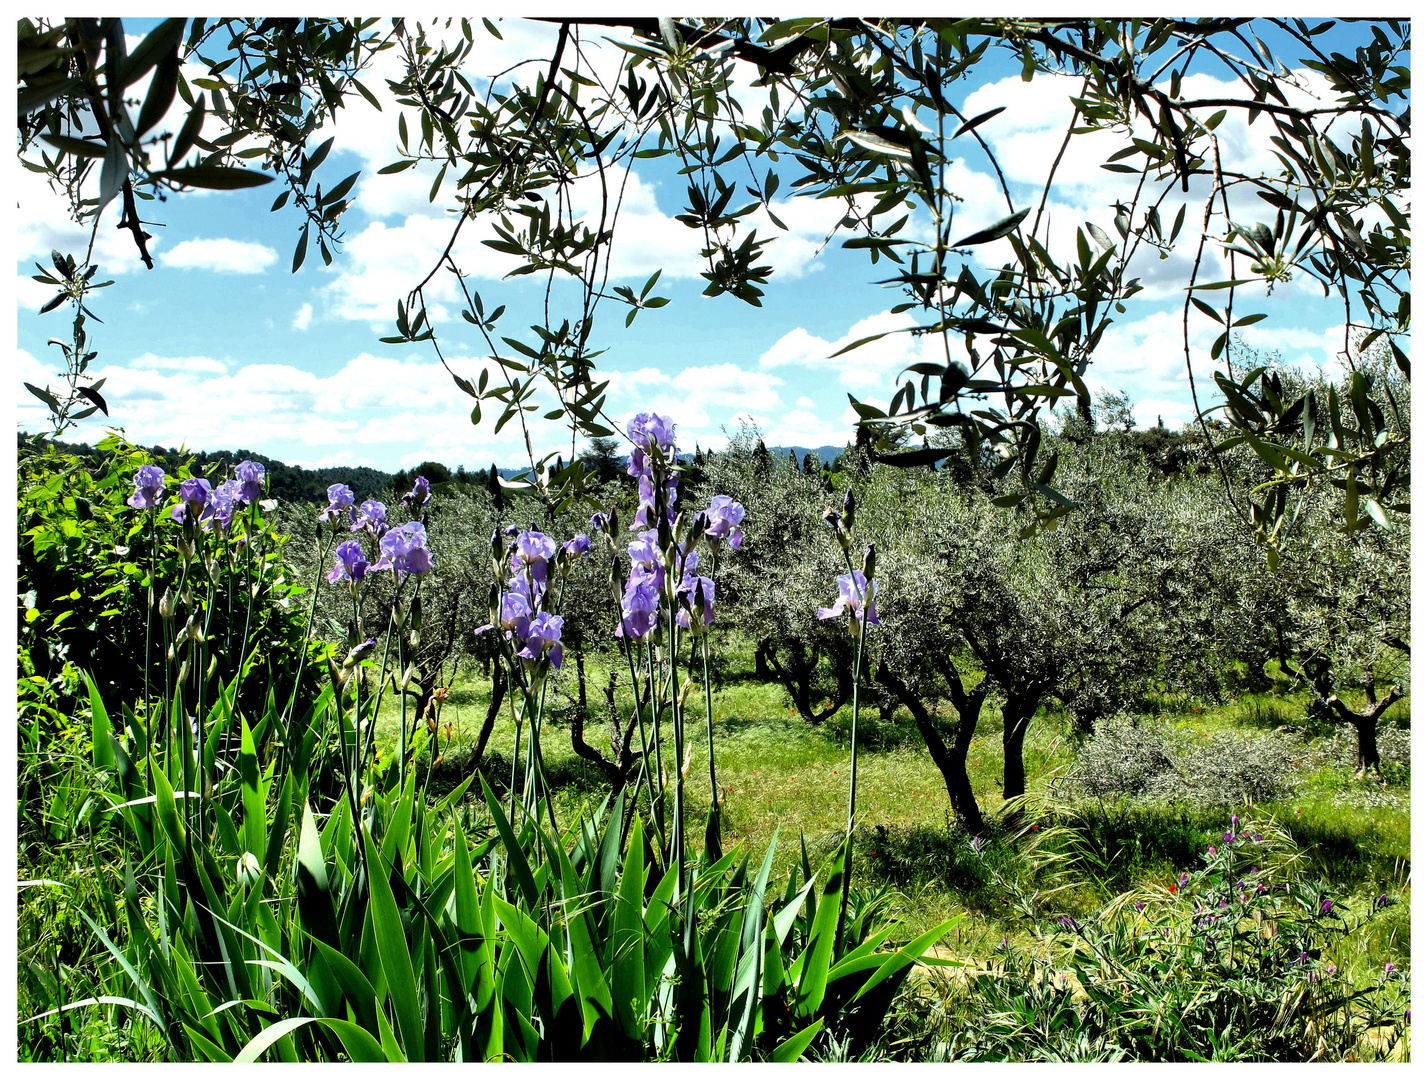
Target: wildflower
[(724, 516), (852, 588), (1258, 838), (351, 563), (1211, 850), (1388, 969), (1068, 923), (404, 550), (250, 478), (1229, 838), (543, 639), (1382, 900), (1183, 879), (373, 518), (1234, 821), (1329, 969), (420, 494), (1139, 906), (977, 844), (1326, 907), (148, 487), (339, 504), (1035, 827)]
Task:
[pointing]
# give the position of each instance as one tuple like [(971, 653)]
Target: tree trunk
[(1367, 729), (498, 695), (615, 772), (951, 763), (1365, 724), (1016, 718)]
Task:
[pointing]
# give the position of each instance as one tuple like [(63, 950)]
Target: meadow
[(338, 849)]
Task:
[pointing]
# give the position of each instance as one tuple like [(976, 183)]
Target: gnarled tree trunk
[(951, 761)]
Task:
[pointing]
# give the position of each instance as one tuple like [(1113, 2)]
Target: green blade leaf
[(395, 954)]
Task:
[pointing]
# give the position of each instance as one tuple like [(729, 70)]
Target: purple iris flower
[(651, 428), (576, 546), (195, 494), (250, 476), (543, 638), (148, 487), (850, 599), (695, 592), (645, 516), (339, 503), (645, 554), (639, 607), (404, 550), (600, 522), (533, 550), (420, 493), (725, 516), (218, 512), (373, 518), (351, 563)]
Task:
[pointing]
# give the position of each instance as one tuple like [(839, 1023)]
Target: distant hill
[(294, 483), (824, 454)]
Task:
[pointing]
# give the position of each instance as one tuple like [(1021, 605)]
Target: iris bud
[(870, 559)]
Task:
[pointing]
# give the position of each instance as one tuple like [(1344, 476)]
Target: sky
[(220, 346)]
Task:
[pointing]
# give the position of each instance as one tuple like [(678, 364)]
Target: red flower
[(1172, 888)]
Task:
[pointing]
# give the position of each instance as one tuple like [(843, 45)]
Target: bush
[(1142, 759)]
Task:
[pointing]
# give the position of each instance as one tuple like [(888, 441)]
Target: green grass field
[(777, 773)]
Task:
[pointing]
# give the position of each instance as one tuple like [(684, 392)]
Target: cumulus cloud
[(303, 319), (221, 256)]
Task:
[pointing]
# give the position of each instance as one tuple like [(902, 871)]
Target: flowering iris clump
[(339, 504), (404, 550), (250, 480), (148, 487), (852, 588)]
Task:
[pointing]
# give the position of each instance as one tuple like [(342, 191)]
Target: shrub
[(1141, 759)]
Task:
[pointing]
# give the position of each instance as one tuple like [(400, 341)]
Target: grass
[(777, 773)]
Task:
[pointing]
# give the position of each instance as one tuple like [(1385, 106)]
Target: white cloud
[(731, 386), (868, 369), (222, 256), (303, 319), (183, 365)]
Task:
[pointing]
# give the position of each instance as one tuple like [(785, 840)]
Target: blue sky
[(221, 347)]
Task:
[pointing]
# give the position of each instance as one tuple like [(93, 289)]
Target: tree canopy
[(852, 110)]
